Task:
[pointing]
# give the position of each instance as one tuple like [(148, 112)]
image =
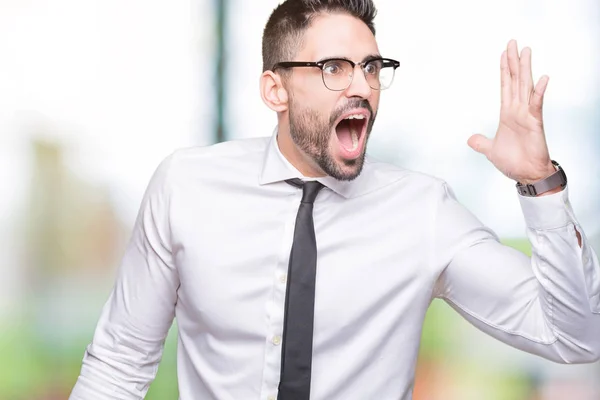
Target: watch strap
[(557, 179)]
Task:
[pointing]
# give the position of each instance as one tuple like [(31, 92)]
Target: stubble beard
[(311, 133)]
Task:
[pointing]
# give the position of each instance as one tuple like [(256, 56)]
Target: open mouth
[(350, 132)]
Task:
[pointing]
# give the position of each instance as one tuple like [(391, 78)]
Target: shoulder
[(233, 149), (384, 174), (216, 161), (231, 155)]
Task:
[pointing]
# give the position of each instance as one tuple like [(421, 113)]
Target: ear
[(272, 91)]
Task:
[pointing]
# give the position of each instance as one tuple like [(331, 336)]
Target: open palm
[(519, 149)]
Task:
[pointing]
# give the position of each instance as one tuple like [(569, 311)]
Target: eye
[(373, 67), (333, 67)]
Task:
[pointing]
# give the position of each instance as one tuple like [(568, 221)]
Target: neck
[(300, 160)]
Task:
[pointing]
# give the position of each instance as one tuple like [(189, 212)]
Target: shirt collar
[(276, 168)]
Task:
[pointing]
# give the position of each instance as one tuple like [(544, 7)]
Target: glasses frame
[(387, 62)]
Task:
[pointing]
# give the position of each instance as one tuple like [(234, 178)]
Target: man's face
[(332, 127)]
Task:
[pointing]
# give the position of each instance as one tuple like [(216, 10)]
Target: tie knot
[(310, 189)]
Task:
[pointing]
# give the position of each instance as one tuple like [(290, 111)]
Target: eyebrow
[(371, 56), (368, 57)]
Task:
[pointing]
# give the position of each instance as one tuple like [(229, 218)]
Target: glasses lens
[(379, 74), (337, 74)]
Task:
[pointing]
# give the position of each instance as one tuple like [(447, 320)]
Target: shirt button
[(283, 278), (271, 397), (586, 259), (276, 340)]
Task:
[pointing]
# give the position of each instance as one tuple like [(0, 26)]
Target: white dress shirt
[(211, 247)]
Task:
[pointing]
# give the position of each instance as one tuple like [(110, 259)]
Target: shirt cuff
[(547, 212)]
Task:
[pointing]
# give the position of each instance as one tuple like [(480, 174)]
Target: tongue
[(344, 135)]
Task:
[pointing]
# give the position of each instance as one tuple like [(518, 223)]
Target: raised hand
[(519, 149)]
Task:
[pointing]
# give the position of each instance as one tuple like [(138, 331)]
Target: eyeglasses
[(338, 72)]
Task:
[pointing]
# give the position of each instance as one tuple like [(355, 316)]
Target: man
[(326, 299)]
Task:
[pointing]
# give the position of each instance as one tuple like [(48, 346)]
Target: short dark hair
[(285, 28)]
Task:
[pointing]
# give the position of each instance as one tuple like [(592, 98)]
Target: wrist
[(550, 169), (552, 183)]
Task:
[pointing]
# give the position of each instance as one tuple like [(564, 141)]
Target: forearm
[(506, 299), (123, 357), (567, 270), (547, 304)]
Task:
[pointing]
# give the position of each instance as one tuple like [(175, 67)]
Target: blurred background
[(95, 93)]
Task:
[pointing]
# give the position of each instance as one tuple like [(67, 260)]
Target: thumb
[(480, 144)]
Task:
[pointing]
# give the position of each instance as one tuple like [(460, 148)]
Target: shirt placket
[(276, 304)]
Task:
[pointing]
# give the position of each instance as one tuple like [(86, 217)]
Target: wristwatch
[(557, 179)]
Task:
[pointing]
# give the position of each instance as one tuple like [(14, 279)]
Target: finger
[(513, 65), (537, 97), (480, 144), (505, 82), (525, 77)]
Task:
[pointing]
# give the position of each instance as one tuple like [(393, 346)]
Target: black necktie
[(296, 351)]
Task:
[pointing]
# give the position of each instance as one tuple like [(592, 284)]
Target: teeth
[(356, 116)]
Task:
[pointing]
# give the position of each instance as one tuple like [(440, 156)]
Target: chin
[(344, 169)]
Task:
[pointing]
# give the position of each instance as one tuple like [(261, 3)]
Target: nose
[(359, 87)]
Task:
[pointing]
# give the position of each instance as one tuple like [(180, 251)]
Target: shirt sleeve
[(123, 357), (547, 304)]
